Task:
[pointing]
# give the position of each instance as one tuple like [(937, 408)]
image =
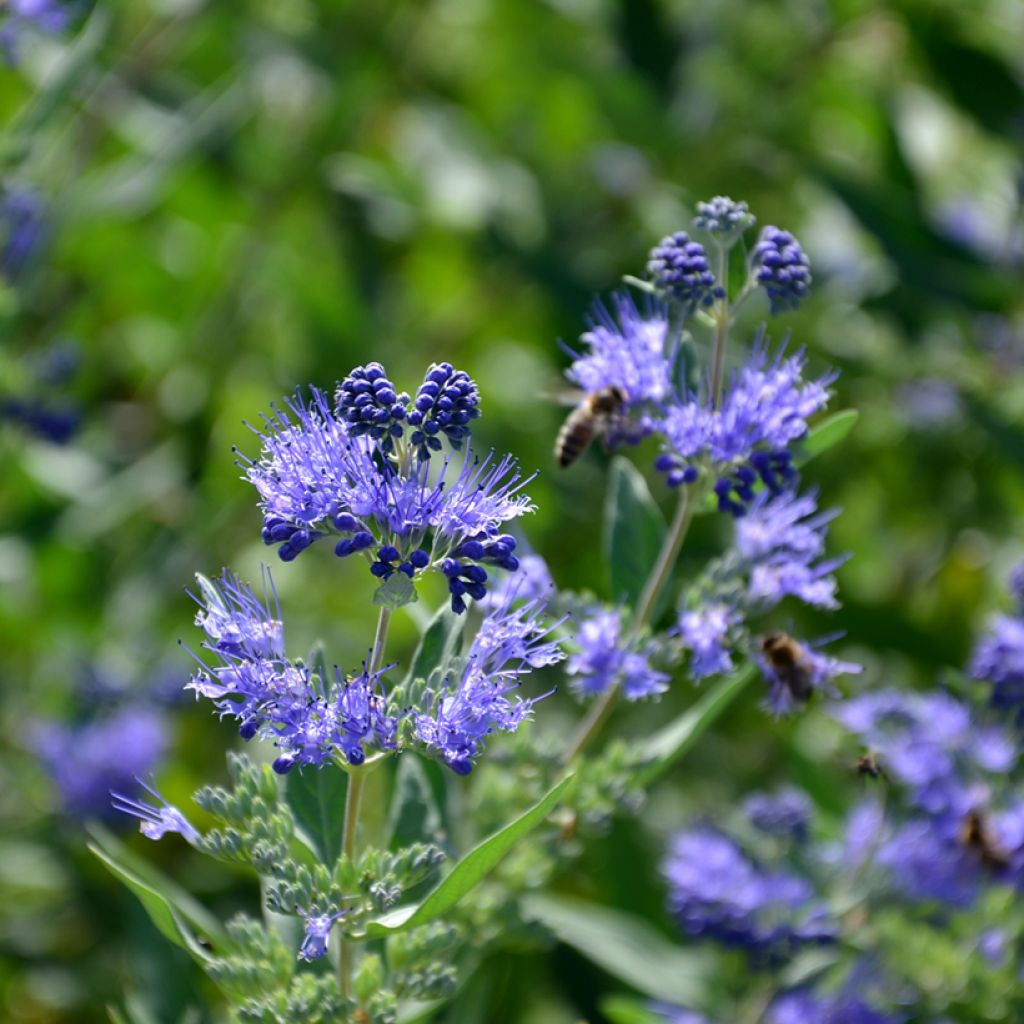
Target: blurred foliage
[(242, 198)]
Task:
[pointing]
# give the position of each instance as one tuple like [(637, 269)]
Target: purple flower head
[(785, 814), (318, 934), (805, 1008), (478, 699), (156, 820), (924, 864), (446, 403), (746, 438), (781, 268), (87, 761), (716, 891), (531, 582), (627, 349), (22, 227), (678, 267), (795, 671), (608, 658), (723, 217), (998, 659), (369, 405), (312, 719), (705, 631)]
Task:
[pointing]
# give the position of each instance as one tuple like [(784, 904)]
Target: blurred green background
[(242, 198)]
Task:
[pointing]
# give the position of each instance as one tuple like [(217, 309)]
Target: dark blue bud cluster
[(390, 560), (469, 580), (367, 401), (293, 539), (781, 267), (676, 471), (723, 216), (735, 491), (679, 266), (359, 538), (446, 402)]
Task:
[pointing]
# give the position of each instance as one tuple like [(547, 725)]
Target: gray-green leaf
[(317, 799), (395, 592)]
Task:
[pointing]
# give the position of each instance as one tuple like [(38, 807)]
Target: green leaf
[(395, 592), (824, 435), (627, 947), (317, 799), (472, 869), (634, 529), (439, 644), (115, 852), (169, 919), (669, 744), (625, 1010), (414, 814)]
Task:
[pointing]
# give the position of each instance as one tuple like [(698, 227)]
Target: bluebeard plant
[(998, 658), (49, 16)]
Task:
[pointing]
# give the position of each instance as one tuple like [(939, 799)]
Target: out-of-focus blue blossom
[(608, 658), (156, 820), (317, 934), (705, 632), (311, 720), (314, 478), (531, 582), (723, 217), (928, 403), (805, 1008), (717, 892), (925, 864), (746, 438), (781, 268), (797, 673), (993, 946), (510, 643), (51, 421), (998, 658), (678, 267), (22, 224), (628, 349), (87, 761), (785, 814)]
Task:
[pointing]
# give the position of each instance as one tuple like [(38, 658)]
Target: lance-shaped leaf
[(634, 529), (414, 814), (316, 797), (824, 435), (627, 947), (471, 870), (439, 645), (670, 743)]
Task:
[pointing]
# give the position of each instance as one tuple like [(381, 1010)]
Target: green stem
[(660, 573), (721, 332), (354, 801)]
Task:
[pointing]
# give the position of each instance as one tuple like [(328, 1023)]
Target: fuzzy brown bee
[(976, 834), (788, 660), (869, 765), (595, 415)]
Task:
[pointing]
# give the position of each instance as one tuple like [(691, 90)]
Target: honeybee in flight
[(976, 834), (788, 660), (868, 765), (595, 416)]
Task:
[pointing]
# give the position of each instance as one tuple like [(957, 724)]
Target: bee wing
[(564, 396)]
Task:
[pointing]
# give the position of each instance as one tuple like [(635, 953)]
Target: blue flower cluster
[(22, 228), (958, 825), (781, 267), (311, 719), (349, 473), (478, 696), (999, 656), (678, 267), (716, 891), (608, 656), (723, 217), (808, 1008), (778, 551), (784, 815), (50, 16), (745, 440)]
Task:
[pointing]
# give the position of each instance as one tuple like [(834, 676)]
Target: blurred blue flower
[(510, 643), (677, 1014), (723, 217), (795, 671), (678, 267), (781, 268), (705, 631), (317, 934), (22, 227), (805, 1008), (607, 658), (311, 719), (717, 892), (998, 657), (785, 814), (531, 582), (745, 439), (86, 761)]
